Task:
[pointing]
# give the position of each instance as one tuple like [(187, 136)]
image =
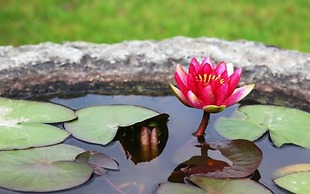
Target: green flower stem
[(203, 124)]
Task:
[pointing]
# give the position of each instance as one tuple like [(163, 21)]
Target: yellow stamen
[(205, 78)]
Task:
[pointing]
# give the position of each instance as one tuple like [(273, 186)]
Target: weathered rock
[(146, 67)]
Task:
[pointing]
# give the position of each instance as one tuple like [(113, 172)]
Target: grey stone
[(146, 67)]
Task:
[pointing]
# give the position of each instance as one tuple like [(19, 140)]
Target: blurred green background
[(283, 23)]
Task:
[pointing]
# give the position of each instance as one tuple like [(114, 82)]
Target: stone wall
[(146, 67)]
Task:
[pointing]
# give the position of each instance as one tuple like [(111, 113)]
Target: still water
[(143, 178)]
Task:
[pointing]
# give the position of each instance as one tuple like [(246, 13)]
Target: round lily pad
[(292, 168), (43, 169), (21, 123), (30, 135), (213, 185), (298, 182), (229, 186), (285, 125), (22, 111), (99, 124), (173, 188)]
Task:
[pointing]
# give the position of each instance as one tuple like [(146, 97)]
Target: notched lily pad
[(285, 125), (99, 124), (21, 123), (238, 159), (43, 169)]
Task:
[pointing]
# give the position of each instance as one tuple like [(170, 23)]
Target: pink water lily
[(209, 87)]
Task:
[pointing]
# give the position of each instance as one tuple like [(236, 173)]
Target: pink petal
[(221, 94), (195, 64), (208, 60), (192, 70), (238, 95), (234, 80), (180, 83), (200, 86), (193, 100), (205, 69), (179, 95), (220, 68), (238, 71), (192, 84), (207, 96), (224, 75), (181, 73)]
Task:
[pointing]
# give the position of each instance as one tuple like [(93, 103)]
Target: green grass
[(284, 23)]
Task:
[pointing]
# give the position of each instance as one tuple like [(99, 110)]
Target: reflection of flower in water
[(209, 87), (144, 142)]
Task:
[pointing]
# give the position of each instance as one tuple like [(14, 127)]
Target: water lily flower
[(209, 87)]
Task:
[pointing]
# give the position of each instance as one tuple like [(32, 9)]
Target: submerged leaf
[(238, 159), (298, 182), (285, 125), (99, 124), (20, 123), (43, 169)]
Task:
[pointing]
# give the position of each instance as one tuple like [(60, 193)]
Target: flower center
[(205, 78)]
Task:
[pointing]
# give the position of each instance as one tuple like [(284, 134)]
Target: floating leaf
[(98, 161), (285, 125), (99, 124), (30, 135), (298, 182), (239, 158), (213, 185), (292, 168), (20, 123), (229, 186), (179, 188), (43, 169)]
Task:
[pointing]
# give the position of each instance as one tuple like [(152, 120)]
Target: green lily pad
[(21, 123), (229, 186), (285, 125), (179, 188), (292, 169), (99, 124), (298, 182), (43, 169), (213, 185)]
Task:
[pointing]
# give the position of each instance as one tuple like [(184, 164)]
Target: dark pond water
[(183, 121)]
